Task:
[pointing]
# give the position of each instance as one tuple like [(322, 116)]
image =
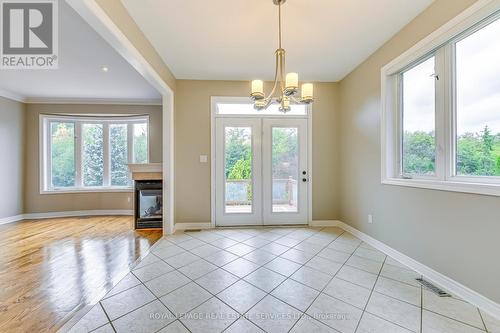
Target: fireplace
[(148, 204)]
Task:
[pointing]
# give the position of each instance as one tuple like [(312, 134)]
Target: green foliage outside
[(419, 153), (93, 155), (63, 154), (239, 159), (242, 169), (285, 155), (478, 154), (238, 153), (140, 143), (119, 155)]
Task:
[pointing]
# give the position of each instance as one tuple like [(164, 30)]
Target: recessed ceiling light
[(105, 68)]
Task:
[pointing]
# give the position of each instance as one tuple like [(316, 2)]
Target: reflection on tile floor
[(276, 280)]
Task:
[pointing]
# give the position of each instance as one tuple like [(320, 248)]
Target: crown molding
[(55, 100), (12, 96), (115, 101)]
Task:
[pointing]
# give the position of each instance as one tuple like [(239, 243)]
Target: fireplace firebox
[(148, 204)]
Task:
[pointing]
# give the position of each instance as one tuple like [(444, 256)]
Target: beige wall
[(12, 133), (192, 138), (37, 203), (455, 234)]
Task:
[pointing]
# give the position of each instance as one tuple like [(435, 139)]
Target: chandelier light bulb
[(307, 92), (292, 81), (257, 89)]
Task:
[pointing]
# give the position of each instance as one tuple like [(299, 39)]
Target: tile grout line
[(482, 319), (370, 296), (421, 309), (326, 285)]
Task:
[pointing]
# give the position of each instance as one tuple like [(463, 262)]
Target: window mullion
[(106, 156), (441, 107), (398, 168), (78, 155), (451, 121)]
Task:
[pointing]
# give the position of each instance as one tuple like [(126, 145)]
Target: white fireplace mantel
[(149, 167)]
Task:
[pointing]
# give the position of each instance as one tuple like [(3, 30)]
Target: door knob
[(304, 172), (304, 180)]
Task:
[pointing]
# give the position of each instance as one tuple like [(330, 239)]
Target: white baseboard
[(51, 215), (76, 213), (441, 280), (10, 219), (192, 226)]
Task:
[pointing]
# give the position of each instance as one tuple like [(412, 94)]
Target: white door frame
[(214, 100)]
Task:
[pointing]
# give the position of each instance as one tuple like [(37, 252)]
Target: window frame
[(441, 45), (45, 160)]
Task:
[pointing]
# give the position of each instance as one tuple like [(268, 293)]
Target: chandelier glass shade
[(286, 87)]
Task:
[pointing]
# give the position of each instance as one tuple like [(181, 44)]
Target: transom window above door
[(82, 153), (244, 107)]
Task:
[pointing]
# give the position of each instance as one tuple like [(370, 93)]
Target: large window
[(441, 112), (80, 153)]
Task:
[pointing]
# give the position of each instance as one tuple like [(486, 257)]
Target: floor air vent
[(433, 288)]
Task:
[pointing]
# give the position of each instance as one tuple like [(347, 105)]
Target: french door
[(261, 171)]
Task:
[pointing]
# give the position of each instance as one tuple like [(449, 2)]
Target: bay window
[(441, 108), (82, 153)]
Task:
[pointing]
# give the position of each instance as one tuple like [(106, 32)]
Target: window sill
[(90, 190), (440, 185)]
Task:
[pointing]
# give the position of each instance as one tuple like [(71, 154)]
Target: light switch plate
[(203, 158)]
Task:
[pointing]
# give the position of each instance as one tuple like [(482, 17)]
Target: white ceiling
[(82, 53), (236, 39)]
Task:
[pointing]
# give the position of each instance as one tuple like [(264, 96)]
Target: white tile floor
[(276, 280)]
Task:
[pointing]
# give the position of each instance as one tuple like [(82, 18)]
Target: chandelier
[(285, 88)]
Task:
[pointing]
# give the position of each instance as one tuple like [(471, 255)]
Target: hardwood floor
[(50, 269)]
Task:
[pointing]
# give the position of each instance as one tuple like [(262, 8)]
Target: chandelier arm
[(276, 73), (296, 100), (282, 70)]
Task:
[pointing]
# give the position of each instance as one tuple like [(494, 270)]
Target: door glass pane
[(141, 143), (119, 155), (478, 103), (93, 154), (238, 169), (285, 169), (62, 148), (419, 138)]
